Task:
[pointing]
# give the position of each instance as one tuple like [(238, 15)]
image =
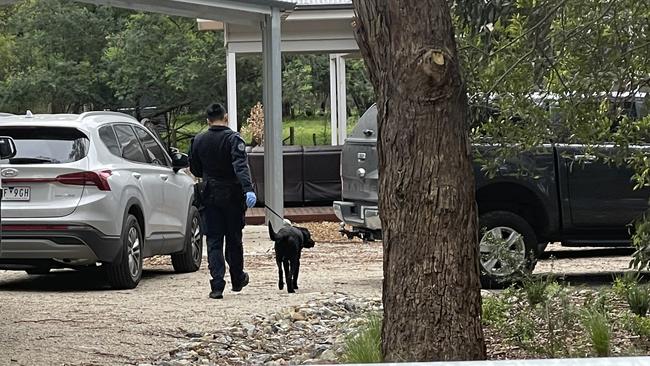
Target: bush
[(523, 332), (638, 298), (255, 125), (535, 287), (560, 316), (623, 283), (598, 329), (494, 310), (638, 325), (365, 345)]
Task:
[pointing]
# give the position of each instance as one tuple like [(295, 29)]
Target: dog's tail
[(272, 234)]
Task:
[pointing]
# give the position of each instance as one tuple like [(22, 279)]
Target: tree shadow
[(597, 279), (87, 280), (587, 278), (587, 253)]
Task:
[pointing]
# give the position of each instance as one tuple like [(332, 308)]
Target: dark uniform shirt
[(220, 154)]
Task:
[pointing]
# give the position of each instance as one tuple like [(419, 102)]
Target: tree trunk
[(431, 292)]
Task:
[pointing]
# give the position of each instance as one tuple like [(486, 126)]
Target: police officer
[(219, 157)]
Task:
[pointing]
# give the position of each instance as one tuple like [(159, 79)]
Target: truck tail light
[(97, 179)]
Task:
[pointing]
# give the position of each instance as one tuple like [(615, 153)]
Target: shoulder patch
[(239, 141)]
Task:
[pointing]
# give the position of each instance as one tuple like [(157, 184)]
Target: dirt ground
[(70, 317)]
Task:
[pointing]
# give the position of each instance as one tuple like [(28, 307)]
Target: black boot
[(216, 287), (243, 283), (216, 294)]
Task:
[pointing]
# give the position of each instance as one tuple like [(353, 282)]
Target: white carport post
[(273, 165), (338, 99), (231, 69)]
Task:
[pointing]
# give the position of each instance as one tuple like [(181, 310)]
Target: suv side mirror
[(180, 161), (7, 148)]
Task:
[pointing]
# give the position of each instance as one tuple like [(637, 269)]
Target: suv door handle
[(137, 175), (164, 177)]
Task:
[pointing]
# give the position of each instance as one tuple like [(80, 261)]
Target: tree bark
[(431, 291)]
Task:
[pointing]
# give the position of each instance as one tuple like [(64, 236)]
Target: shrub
[(560, 317), (365, 345), (494, 310), (638, 325), (598, 329), (523, 332), (534, 288), (255, 125), (623, 283), (638, 298)]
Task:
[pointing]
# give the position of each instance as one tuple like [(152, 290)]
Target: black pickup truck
[(571, 198)]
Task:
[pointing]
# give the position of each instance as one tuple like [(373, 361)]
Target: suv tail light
[(97, 179)]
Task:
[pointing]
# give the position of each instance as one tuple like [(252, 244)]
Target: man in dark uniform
[(219, 157)]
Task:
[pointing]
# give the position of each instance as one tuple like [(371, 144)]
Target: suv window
[(152, 149), (131, 149), (46, 145), (107, 135)]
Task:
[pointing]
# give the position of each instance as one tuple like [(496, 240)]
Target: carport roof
[(249, 12), (228, 11)]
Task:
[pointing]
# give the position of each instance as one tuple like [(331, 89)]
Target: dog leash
[(278, 216), (273, 212)]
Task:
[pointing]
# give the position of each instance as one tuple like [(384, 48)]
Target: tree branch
[(170, 109), (531, 30), (510, 69)]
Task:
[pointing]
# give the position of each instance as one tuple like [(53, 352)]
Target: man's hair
[(216, 112)]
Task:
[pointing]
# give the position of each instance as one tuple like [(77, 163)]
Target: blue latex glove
[(251, 199)]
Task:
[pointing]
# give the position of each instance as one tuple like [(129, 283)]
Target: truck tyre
[(126, 272), (508, 247), (541, 248), (38, 271), (189, 260)]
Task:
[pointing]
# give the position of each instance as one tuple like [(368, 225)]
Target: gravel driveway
[(69, 317)]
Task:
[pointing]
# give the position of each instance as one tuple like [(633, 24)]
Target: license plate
[(16, 193)]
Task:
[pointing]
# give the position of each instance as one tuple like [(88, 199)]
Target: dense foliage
[(566, 71), (59, 56)]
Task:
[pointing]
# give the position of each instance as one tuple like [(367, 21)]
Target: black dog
[(289, 242)]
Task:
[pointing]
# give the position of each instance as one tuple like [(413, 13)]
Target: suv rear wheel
[(508, 246), (127, 272), (189, 260)]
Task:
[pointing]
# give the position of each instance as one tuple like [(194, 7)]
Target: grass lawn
[(304, 130)]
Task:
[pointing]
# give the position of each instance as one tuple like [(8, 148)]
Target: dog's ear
[(272, 234), (308, 242)]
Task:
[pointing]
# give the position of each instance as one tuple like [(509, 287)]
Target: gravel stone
[(310, 334)]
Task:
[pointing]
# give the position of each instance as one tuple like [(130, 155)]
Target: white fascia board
[(310, 15), (209, 25), (312, 46), (321, 14)]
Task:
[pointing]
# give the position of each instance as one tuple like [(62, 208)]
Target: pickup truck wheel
[(508, 246), (38, 271), (541, 248)]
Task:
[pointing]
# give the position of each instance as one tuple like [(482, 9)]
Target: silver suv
[(95, 188)]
